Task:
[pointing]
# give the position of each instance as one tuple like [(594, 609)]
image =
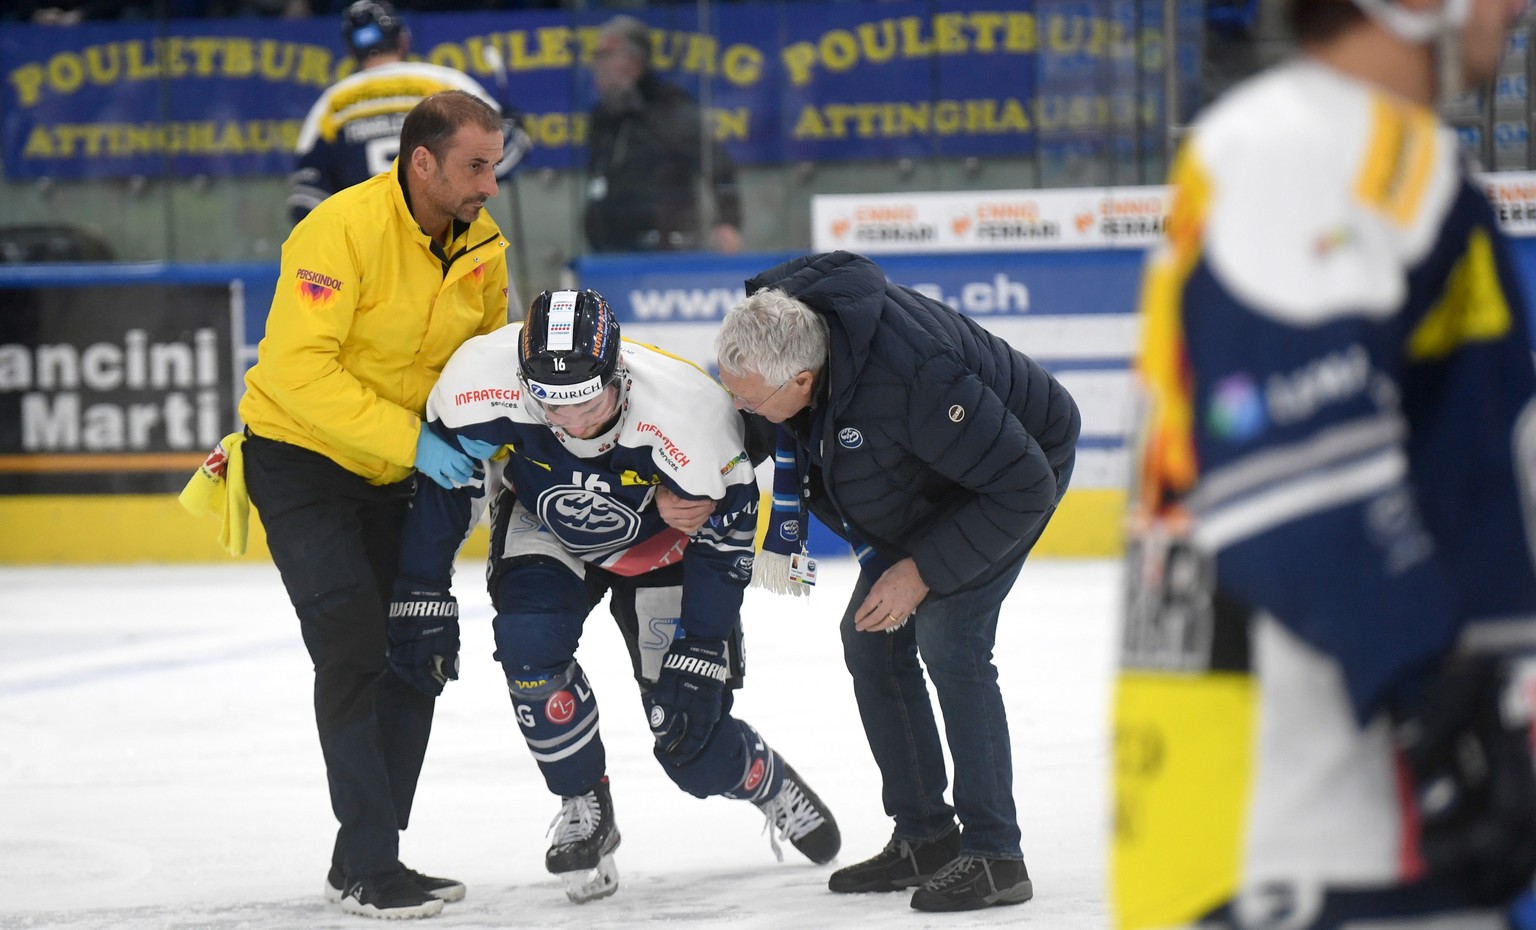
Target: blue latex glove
[(478, 448), (441, 462)]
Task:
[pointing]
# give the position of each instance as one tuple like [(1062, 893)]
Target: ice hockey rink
[(159, 766)]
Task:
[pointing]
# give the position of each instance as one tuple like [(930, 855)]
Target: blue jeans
[(954, 635)]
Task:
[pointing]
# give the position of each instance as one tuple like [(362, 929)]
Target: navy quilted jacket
[(934, 438)]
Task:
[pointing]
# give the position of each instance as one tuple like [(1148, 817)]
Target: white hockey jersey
[(1334, 491), (352, 132), (676, 428)]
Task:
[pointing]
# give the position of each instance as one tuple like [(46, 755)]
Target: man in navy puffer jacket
[(939, 452)]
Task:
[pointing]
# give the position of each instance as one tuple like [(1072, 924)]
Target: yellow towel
[(218, 489)]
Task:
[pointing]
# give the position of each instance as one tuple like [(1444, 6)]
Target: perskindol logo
[(483, 394), (315, 277), (316, 289), (674, 457)]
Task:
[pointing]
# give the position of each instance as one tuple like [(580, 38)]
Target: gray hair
[(635, 35), (773, 336)]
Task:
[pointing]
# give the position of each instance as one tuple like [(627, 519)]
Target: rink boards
[(116, 380)]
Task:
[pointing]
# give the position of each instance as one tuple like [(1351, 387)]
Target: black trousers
[(336, 541)]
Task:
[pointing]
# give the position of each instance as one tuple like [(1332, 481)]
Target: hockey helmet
[(569, 350), (370, 26)]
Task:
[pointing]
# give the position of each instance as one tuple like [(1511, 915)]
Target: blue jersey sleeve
[(438, 522), (717, 565)]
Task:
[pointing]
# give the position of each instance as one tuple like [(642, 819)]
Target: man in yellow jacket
[(379, 285)]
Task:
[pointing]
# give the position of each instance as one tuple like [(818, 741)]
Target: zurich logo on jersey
[(850, 438)]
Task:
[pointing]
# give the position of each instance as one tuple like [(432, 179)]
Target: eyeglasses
[(753, 407)]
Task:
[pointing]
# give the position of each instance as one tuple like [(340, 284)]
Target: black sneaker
[(391, 896), (900, 865), (798, 815), (445, 889), (971, 882)]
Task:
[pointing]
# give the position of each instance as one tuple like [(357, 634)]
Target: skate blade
[(592, 884)]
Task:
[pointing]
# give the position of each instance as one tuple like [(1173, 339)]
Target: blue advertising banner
[(1074, 312), (780, 81)]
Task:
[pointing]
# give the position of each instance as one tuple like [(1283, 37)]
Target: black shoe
[(445, 889), (798, 815), (392, 896), (971, 882), (900, 865)]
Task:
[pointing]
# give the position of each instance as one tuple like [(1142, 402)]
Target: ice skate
[(582, 851), (798, 815)]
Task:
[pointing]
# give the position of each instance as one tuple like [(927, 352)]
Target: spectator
[(648, 150)]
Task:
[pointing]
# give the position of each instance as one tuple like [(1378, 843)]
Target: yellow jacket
[(363, 321)]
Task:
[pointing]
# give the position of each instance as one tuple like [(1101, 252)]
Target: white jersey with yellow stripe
[(676, 428), (353, 131), (1332, 490)]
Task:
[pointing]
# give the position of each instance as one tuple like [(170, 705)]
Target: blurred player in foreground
[(1321, 720)]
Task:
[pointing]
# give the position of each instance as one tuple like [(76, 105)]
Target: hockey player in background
[(1320, 718), (589, 431), (353, 131)]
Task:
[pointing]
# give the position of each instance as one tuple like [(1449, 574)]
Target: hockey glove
[(424, 636), (441, 462), (685, 703), (1468, 751)]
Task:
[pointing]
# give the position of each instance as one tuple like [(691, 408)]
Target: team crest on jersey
[(850, 438), (743, 568), (586, 521)]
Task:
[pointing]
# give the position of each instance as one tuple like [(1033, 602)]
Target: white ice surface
[(159, 766)]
